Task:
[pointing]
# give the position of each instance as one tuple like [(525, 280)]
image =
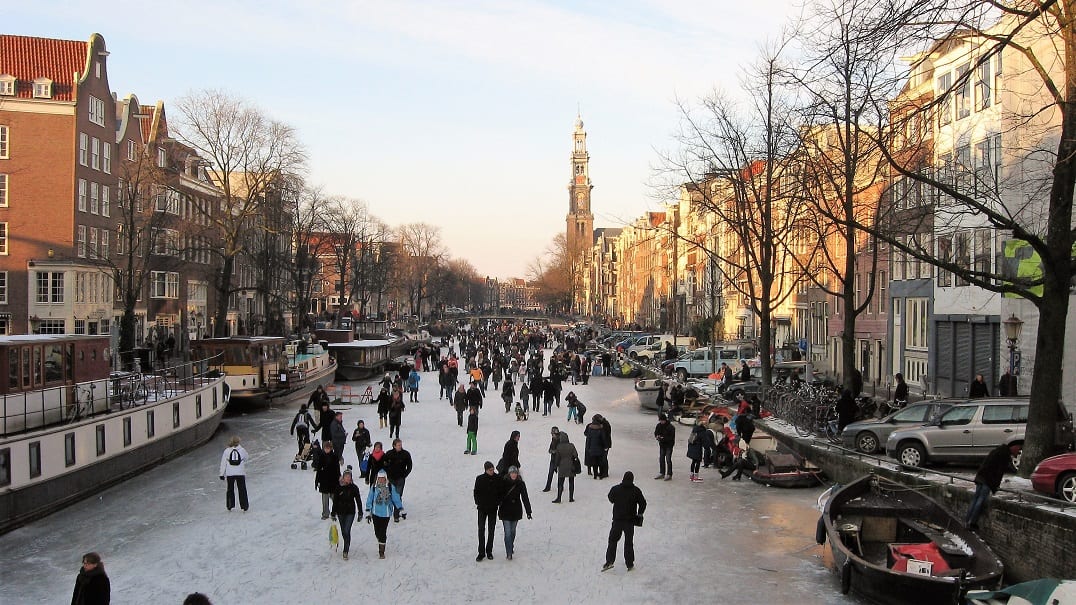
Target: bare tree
[(558, 274), (307, 223), (423, 250), (247, 153)]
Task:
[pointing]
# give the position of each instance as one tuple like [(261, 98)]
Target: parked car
[(1056, 476), (968, 431), (783, 371), (869, 436), (645, 346), (699, 363), (657, 351)]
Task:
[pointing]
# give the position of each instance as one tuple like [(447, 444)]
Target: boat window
[(26, 367), (35, 459), (913, 414), (37, 366), (728, 354), (151, 429), (175, 415), (54, 363), (13, 369), (5, 467), (127, 431), (69, 359), (197, 406), (69, 449), (100, 439), (959, 415)]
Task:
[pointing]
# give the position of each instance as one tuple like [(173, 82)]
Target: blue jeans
[(571, 412), (509, 535), (345, 529), (982, 495)]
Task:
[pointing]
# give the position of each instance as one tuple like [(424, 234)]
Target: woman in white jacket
[(233, 468)]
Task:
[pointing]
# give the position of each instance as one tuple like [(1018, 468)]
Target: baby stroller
[(521, 411)]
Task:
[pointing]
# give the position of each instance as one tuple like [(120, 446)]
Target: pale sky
[(458, 114)]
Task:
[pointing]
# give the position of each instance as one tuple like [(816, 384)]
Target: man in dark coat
[(92, 586), (397, 464), (846, 409), (608, 428), (978, 388), (628, 502), (325, 420), (474, 396), (326, 476), (487, 496), (988, 479), (665, 435), (510, 456), (338, 434)]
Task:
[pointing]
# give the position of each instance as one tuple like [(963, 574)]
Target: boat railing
[(926, 473), (64, 404)]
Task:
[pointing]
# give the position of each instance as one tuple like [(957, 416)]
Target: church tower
[(580, 220)]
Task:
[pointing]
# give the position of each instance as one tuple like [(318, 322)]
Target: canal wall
[(1033, 540)]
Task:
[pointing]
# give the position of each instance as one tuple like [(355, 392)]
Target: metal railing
[(58, 405)]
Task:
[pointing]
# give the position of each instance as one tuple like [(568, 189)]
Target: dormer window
[(42, 88), (7, 85)]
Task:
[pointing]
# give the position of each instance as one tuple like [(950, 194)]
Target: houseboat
[(262, 369), (71, 428), (360, 359)]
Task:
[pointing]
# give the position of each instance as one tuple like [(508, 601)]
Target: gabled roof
[(28, 58)]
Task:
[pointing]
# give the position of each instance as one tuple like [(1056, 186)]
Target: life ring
[(846, 576)]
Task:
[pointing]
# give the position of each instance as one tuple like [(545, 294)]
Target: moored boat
[(891, 543), (263, 369), (360, 359), (786, 470), (70, 428)]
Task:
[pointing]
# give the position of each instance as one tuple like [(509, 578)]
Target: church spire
[(580, 219)]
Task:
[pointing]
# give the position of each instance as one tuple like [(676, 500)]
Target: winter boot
[(380, 551)]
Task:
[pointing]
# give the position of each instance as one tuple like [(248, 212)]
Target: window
[(105, 202), (130, 150), (106, 164), (95, 153), (151, 429), (961, 256), (105, 326), (962, 169), (80, 327), (3, 190), (35, 459), (197, 406), (982, 251), (82, 195), (42, 88), (214, 398), (127, 431), (162, 158), (945, 255), (93, 243), (175, 415), (915, 323), (3, 238), (882, 285), (49, 287), (165, 242), (996, 156), (7, 85), (96, 108), (104, 244), (3, 287), (984, 93), (57, 287), (5, 467), (100, 439), (4, 138), (80, 242), (83, 148), (164, 284), (997, 77), (69, 449), (963, 92), (95, 198), (51, 326), (945, 109)]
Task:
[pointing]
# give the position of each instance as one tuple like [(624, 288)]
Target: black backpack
[(235, 458)]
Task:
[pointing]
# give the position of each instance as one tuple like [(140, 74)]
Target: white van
[(652, 347)]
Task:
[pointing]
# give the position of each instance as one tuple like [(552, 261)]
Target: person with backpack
[(412, 385), (346, 502), (233, 469), (327, 476), (300, 427), (361, 437)]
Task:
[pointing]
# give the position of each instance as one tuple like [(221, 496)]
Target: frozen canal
[(166, 533)]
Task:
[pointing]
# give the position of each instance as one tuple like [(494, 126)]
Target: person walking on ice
[(628, 508), (472, 432), (346, 502), (233, 468), (487, 497), (381, 503)]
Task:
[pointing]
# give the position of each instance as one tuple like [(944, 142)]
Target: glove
[(403, 515), (369, 519), (222, 477), (529, 516)]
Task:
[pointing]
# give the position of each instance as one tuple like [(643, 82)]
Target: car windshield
[(916, 413)]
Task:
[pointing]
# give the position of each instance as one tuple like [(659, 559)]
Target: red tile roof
[(146, 123), (28, 58)]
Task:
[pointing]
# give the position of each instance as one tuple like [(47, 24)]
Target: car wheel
[(1066, 487), (633, 355), (911, 454), (735, 395), (682, 374), (867, 442)]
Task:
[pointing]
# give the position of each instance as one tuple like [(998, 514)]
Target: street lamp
[(1013, 327)]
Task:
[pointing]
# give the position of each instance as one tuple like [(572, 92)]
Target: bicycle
[(81, 402)]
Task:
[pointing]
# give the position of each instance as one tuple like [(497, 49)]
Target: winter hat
[(662, 417), (512, 469), (381, 473), (488, 465)]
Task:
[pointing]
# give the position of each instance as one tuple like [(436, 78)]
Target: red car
[(1056, 476)]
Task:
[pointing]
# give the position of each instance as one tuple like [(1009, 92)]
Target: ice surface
[(166, 533)]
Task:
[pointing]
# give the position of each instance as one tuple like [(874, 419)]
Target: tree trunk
[(224, 290)]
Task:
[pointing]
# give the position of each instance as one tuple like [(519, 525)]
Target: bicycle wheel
[(140, 393), (804, 419)]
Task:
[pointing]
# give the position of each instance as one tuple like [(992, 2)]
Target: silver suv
[(967, 432)]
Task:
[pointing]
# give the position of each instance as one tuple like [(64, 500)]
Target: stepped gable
[(28, 58)]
